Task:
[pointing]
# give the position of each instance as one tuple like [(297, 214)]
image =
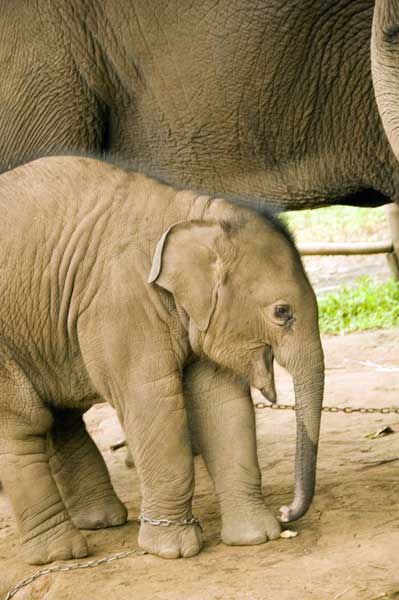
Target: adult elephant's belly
[(306, 182), (273, 101)]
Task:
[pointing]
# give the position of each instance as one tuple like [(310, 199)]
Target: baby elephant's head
[(239, 278)]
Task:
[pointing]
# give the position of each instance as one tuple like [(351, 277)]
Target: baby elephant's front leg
[(223, 419), (155, 422)]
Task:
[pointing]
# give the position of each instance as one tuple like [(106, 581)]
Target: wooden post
[(392, 212)]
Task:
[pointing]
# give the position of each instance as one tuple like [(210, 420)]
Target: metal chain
[(333, 409), (168, 522), (71, 567)]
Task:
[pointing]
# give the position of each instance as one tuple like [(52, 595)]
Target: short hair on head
[(231, 228), (260, 208)]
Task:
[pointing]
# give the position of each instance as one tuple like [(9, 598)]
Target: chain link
[(168, 522), (71, 567), (334, 409)]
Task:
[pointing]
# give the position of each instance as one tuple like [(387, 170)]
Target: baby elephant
[(117, 287)]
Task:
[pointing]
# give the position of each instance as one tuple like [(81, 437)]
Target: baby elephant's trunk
[(308, 403)]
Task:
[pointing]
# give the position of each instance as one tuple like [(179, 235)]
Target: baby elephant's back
[(43, 196), (44, 206)]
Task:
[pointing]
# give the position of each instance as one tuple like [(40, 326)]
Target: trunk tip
[(292, 513), (285, 513)]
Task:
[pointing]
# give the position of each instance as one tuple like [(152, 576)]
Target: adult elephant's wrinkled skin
[(385, 66), (268, 99), (118, 287)]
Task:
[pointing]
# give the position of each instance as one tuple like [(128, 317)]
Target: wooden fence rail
[(348, 248)]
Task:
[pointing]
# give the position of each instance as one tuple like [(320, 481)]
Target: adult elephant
[(268, 99)]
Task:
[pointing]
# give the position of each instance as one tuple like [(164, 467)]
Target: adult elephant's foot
[(249, 526), (61, 542), (174, 541), (92, 513)]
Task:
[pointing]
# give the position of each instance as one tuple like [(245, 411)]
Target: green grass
[(337, 223), (365, 305)]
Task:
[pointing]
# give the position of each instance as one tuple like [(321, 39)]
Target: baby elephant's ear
[(187, 264)]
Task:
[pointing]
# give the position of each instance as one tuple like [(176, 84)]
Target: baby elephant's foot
[(256, 525), (173, 541), (55, 544), (109, 512)]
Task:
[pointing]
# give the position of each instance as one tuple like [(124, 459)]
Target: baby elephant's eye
[(283, 312)]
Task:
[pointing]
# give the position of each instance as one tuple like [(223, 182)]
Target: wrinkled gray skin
[(385, 66), (267, 99), (117, 287)]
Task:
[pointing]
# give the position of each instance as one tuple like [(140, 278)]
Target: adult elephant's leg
[(81, 474), (47, 532), (224, 422)]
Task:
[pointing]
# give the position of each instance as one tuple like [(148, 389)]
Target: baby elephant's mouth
[(269, 393)]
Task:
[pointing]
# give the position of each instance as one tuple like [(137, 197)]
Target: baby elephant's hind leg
[(46, 530), (81, 474)]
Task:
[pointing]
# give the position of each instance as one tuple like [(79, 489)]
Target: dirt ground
[(348, 543)]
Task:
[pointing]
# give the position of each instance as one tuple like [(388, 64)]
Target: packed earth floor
[(347, 545)]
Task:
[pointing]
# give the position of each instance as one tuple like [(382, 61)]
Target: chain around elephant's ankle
[(168, 522)]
